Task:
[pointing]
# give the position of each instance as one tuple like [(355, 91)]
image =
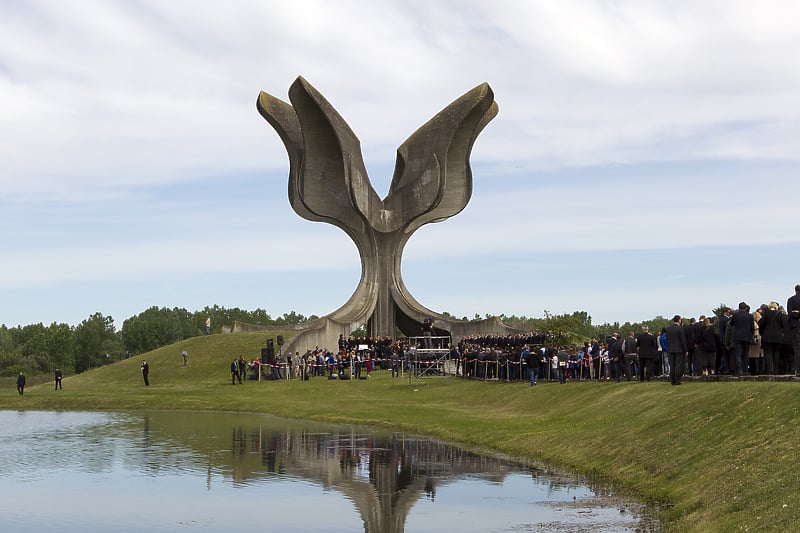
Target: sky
[(643, 163)]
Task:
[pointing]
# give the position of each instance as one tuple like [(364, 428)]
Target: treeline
[(576, 327), (96, 341), (37, 348)]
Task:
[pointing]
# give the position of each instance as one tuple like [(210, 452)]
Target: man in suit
[(724, 356), (677, 349), (648, 353), (793, 311), (771, 326), (743, 329), (234, 371)]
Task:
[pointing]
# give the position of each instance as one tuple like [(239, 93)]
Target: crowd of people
[(765, 341), (356, 359)]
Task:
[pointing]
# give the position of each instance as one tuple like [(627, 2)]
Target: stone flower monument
[(328, 182)]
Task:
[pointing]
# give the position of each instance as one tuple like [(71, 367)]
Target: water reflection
[(190, 469)]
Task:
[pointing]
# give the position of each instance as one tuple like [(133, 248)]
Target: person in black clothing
[(677, 349), (793, 310), (647, 347), (705, 351), (21, 383), (771, 326), (689, 330), (616, 356), (427, 331), (532, 361), (234, 371), (146, 373), (59, 376), (723, 364), (242, 369), (743, 329)]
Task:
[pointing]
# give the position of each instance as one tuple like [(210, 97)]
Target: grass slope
[(723, 455)]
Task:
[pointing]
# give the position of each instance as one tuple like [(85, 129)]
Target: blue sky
[(644, 161)]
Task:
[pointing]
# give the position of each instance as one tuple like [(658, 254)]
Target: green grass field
[(722, 456)]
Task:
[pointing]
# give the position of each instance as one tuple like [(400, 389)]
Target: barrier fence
[(424, 363)]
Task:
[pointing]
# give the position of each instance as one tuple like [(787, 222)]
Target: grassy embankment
[(723, 455)]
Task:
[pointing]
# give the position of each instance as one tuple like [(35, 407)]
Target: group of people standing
[(763, 342), (238, 370), (766, 341)]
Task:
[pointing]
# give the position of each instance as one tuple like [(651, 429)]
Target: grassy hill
[(722, 455)]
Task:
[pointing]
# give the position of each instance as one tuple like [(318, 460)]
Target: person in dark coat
[(146, 373), (793, 311), (689, 330), (21, 383), (234, 371), (242, 368), (724, 366), (771, 326), (647, 346), (616, 356), (59, 376), (532, 362), (677, 349), (705, 352), (743, 329)]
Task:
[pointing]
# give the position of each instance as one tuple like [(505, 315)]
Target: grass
[(722, 456)]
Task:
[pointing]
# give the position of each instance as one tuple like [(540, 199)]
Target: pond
[(168, 471)]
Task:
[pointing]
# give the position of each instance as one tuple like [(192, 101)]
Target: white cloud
[(107, 105)]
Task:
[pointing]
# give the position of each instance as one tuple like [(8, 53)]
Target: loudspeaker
[(264, 355), (270, 349), (280, 340)]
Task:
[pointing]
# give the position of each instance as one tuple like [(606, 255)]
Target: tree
[(34, 347), (9, 353), (156, 327), (291, 318), (220, 315), (562, 329), (96, 343), (60, 346)]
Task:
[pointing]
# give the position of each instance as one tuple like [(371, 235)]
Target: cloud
[(628, 126)]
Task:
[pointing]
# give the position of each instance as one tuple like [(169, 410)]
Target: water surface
[(173, 471)]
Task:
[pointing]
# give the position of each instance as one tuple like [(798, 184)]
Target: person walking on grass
[(21, 383)]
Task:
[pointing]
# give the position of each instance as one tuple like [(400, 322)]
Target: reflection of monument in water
[(328, 182), (384, 476)]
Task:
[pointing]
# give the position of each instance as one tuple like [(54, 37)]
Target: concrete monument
[(328, 182)]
